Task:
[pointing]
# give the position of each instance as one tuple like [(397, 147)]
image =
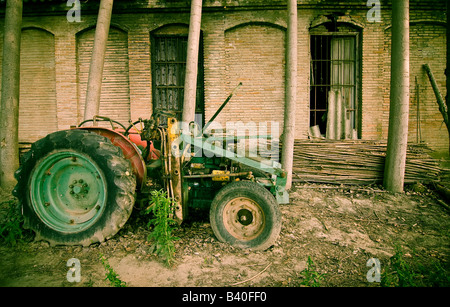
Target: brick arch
[(345, 21), (37, 108), (255, 55), (115, 95), (256, 23), (172, 29)]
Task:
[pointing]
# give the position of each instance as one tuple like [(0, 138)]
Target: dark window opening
[(168, 74)]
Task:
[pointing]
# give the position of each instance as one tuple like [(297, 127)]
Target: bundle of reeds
[(357, 162)]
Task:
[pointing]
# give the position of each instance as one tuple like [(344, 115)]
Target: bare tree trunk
[(287, 155), (190, 85), (394, 172), (437, 93), (9, 111), (94, 86), (447, 70)]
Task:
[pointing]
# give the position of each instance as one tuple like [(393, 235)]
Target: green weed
[(11, 231), (111, 275), (162, 208), (311, 278)]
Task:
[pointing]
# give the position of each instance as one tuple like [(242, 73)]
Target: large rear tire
[(75, 187), (246, 215)]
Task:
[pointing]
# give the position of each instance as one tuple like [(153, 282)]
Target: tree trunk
[(394, 172), (94, 86), (447, 70), (9, 111), (190, 85), (287, 155), (437, 93)]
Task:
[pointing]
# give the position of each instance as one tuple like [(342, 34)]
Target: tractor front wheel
[(246, 215), (75, 187)]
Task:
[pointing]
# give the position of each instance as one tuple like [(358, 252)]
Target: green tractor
[(79, 186)]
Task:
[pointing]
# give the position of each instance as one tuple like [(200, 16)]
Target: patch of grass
[(162, 208), (414, 272), (111, 275)]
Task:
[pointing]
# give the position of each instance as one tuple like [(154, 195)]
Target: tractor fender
[(130, 151)]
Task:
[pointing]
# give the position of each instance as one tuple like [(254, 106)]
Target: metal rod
[(218, 175), (419, 132), (221, 108)]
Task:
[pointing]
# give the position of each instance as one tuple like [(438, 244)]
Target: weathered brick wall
[(255, 56), (245, 41), (427, 46), (428, 43)]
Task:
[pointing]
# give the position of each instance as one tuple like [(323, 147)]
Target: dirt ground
[(338, 228)]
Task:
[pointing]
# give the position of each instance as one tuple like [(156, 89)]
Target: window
[(168, 73), (334, 106)]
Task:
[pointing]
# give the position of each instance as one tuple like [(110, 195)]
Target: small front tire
[(246, 215)]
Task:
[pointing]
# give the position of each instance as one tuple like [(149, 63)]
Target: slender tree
[(447, 70), (9, 110), (287, 155), (190, 85), (94, 86), (394, 172)]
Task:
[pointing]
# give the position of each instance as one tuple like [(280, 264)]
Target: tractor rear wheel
[(246, 215), (75, 187)]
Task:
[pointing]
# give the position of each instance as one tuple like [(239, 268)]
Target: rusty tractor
[(79, 186)]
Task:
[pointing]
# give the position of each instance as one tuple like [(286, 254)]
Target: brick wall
[(427, 46), (244, 41)]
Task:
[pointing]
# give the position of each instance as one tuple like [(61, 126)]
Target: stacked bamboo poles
[(357, 162)]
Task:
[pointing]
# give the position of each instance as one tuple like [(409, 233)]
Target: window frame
[(356, 35)]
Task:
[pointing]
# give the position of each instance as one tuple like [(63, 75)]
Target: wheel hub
[(79, 189), (68, 191), (243, 218)]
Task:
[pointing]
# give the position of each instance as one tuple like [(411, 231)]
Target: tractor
[(79, 186)]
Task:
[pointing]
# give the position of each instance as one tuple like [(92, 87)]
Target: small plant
[(11, 231), (111, 275), (162, 207), (399, 273), (311, 278)]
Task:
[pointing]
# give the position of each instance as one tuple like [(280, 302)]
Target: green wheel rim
[(68, 191)]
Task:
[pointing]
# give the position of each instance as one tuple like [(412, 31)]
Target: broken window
[(334, 106)]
